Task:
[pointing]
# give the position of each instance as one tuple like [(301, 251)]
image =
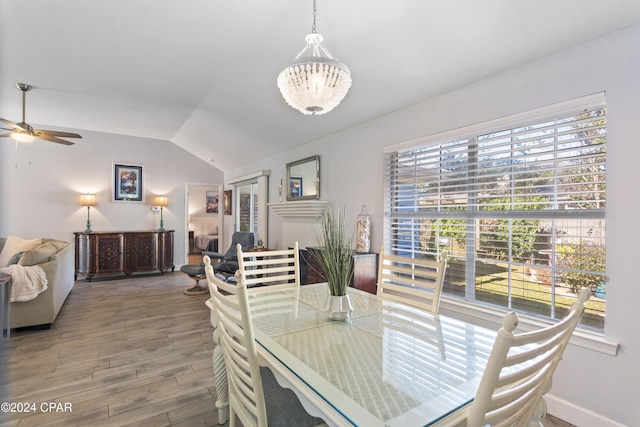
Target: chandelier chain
[(315, 12)]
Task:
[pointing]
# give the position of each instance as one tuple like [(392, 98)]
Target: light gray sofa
[(59, 269)]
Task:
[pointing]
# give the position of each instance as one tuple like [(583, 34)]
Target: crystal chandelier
[(315, 82)]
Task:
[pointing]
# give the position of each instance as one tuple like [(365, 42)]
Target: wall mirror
[(303, 179)]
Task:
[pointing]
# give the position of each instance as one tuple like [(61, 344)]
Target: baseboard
[(577, 415)]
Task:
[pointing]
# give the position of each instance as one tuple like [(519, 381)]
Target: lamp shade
[(88, 199), (161, 201)]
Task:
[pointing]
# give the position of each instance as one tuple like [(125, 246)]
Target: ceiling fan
[(23, 132)]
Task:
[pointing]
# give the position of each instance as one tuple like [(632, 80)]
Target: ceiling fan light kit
[(315, 82), (22, 136), (23, 132)]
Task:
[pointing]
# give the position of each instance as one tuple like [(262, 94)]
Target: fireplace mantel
[(300, 211)]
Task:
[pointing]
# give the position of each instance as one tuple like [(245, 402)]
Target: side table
[(5, 306)]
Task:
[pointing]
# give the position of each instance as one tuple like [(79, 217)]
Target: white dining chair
[(276, 269), (413, 281), (520, 369), (255, 398)]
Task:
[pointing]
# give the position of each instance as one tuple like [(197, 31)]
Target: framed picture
[(212, 202), (127, 183), (295, 186), (227, 202)]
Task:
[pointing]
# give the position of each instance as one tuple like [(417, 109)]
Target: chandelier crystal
[(315, 82)]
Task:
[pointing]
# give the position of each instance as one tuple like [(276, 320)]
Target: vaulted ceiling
[(202, 73)]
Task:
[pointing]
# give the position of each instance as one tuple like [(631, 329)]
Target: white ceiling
[(202, 73)]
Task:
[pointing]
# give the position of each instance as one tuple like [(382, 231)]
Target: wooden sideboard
[(128, 252), (365, 270)]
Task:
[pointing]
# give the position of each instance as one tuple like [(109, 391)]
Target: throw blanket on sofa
[(27, 282)]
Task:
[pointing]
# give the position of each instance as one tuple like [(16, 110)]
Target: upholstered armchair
[(224, 265)]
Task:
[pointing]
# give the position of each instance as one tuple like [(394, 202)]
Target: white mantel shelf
[(303, 210)]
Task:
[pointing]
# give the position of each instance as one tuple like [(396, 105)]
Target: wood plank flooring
[(122, 352)]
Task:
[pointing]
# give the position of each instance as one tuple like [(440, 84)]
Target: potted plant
[(335, 260)]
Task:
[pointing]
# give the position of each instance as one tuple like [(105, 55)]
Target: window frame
[(474, 310)]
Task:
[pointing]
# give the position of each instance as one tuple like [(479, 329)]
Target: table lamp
[(88, 200), (161, 201)]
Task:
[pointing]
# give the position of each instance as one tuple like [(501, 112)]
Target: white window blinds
[(527, 193)]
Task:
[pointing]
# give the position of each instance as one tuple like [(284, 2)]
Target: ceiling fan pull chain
[(16, 156)]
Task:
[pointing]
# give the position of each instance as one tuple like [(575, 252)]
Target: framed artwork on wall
[(127, 183), (227, 202), (295, 186), (212, 202)]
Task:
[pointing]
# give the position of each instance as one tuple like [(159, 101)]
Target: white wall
[(590, 388), (43, 199), (198, 199)]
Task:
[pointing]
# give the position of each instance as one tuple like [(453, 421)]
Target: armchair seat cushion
[(226, 278), (229, 267)]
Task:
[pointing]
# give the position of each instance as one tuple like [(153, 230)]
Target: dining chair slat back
[(255, 398), (275, 269), (414, 281), (520, 369)]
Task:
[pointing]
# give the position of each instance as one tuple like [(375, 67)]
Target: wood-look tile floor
[(122, 352)]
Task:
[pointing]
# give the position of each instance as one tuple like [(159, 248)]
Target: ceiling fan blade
[(13, 125), (5, 134), (25, 128), (40, 132), (54, 139)]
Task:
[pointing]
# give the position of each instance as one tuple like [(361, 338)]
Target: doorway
[(204, 213)]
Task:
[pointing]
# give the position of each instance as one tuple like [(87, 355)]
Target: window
[(247, 208), (517, 207), (251, 198)]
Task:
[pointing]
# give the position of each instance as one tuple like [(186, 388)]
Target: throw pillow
[(38, 255), (13, 245), (14, 259), (59, 244)]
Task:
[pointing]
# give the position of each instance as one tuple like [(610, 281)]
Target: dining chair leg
[(220, 375), (538, 414), (541, 410)]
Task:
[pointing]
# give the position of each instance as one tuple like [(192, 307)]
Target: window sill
[(492, 318)]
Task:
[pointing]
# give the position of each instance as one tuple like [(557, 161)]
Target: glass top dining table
[(388, 365)]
